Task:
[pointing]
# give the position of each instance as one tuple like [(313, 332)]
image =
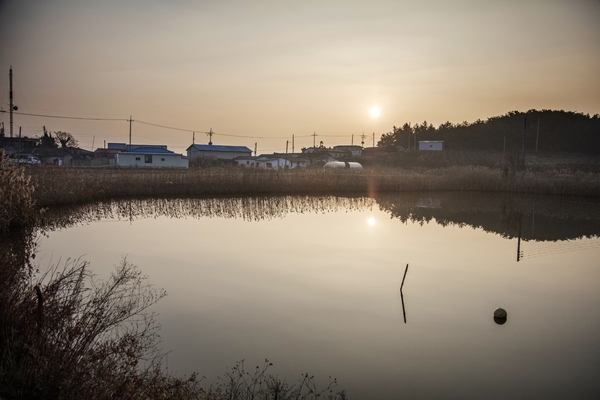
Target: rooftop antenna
[(362, 142)]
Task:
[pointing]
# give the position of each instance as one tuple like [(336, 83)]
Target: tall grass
[(56, 185), (16, 199)]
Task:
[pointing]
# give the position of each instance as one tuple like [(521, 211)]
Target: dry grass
[(16, 199), (57, 186), (66, 335)]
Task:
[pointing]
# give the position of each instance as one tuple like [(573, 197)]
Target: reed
[(17, 207), (63, 186)]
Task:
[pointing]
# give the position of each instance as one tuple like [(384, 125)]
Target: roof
[(107, 151), (149, 150), (210, 147)]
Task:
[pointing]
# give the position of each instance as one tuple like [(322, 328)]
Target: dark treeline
[(560, 131)]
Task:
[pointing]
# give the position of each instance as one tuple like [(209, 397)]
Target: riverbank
[(64, 186)]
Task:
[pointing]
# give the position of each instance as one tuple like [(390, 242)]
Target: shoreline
[(66, 186)]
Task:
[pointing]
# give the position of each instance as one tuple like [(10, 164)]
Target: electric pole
[(524, 137), (210, 135), (314, 135), (130, 121), (12, 107)]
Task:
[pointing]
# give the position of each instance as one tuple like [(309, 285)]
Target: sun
[(371, 221), (374, 111)]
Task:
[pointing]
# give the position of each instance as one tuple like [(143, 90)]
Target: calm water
[(313, 284)]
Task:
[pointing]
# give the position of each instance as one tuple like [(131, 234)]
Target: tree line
[(559, 131)]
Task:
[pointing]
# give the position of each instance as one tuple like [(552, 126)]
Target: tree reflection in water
[(540, 218)]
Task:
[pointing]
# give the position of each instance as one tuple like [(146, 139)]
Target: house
[(53, 156), (106, 156), (151, 156), (333, 152), (355, 151), (435, 145), (127, 147), (273, 161), (318, 159), (284, 160), (17, 144), (215, 154)]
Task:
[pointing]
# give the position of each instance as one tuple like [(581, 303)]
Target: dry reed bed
[(56, 185)]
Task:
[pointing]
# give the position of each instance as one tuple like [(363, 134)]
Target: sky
[(273, 74)]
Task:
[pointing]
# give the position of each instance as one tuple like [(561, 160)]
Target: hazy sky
[(262, 71)]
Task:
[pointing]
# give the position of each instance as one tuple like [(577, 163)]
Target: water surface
[(313, 284)]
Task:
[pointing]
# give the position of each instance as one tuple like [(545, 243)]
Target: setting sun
[(374, 112), (371, 221)]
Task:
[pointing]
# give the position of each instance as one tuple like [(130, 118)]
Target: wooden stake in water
[(405, 271), (402, 295)]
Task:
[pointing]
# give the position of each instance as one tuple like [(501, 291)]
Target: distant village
[(29, 151)]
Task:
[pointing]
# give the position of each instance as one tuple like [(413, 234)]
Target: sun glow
[(374, 112), (371, 221)]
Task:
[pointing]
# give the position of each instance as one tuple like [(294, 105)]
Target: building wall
[(431, 145), (195, 155), (156, 160)]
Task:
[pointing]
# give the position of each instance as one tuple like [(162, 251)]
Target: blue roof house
[(214, 154), (151, 156)]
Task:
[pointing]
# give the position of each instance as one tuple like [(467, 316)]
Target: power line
[(165, 126), (69, 117)]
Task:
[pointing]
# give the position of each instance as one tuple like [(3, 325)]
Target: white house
[(203, 153), (435, 145), (273, 161), (150, 156), (355, 150)]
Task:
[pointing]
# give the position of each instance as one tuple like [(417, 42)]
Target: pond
[(314, 285)]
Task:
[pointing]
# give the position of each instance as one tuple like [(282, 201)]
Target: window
[(137, 159), (148, 158), (162, 159)]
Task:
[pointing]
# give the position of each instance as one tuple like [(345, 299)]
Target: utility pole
[(415, 142), (210, 134), (373, 139), (352, 139), (362, 140), (286, 146), (524, 137), (314, 135), (12, 107), (130, 121), (292, 144), (193, 137), (255, 145)]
